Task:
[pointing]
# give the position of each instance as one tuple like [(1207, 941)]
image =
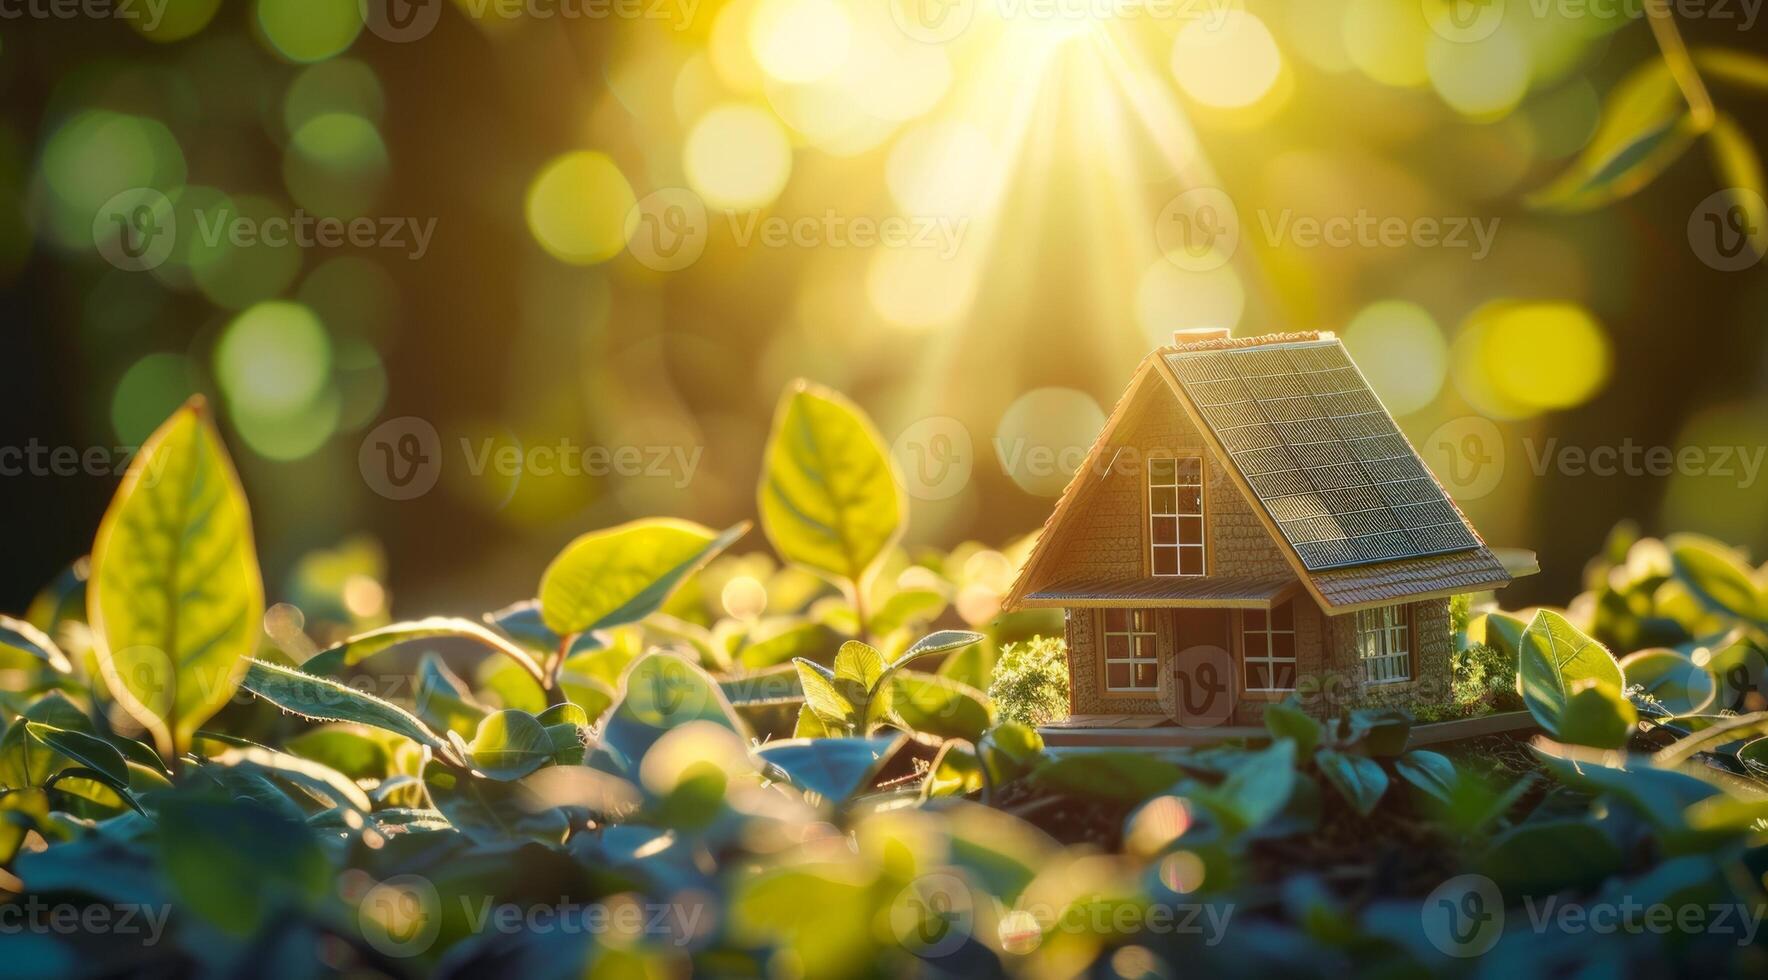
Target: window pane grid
[(1384, 644), (1131, 659), (1269, 644), (1175, 516)]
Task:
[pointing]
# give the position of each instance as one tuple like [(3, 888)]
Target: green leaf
[(239, 865), (955, 772), (318, 781), (1716, 577), (1555, 656), (778, 642), (1284, 720), (357, 751), (175, 600), (88, 750), (1431, 772), (443, 700), (1258, 787), (858, 669), (324, 699), (1598, 716), (16, 634), (661, 691), (1504, 634), (491, 811), (1645, 127), (974, 665), (905, 608), (1381, 732), (1677, 684), (511, 744), (1739, 169), (1733, 67), (943, 641), (810, 726), (623, 574), (359, 648), (933, 705), (830, 498), (833, 768), (1359, 780), (23, 761), (822, 698), (1548, 856)]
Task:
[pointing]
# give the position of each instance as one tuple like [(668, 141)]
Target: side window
[(1131, 662), (1384, 644), (1269, 642), (1175, 516)]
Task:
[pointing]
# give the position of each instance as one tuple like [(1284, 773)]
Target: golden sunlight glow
[(800, 40), (1171, 298), (1517, 359), (941, 168), (737, 156), (1401, 351), (918, 287), (1487, 79), (1043, 437), (1387, 41), (1227, 65)]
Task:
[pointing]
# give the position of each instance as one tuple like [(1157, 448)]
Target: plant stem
[(1681, 65)]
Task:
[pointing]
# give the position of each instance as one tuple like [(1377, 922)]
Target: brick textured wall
[(1432, 651), (1106, 533)]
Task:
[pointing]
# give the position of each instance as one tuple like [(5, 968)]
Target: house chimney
[(1197, 335)]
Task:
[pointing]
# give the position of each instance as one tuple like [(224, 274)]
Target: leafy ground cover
[(676, 758)]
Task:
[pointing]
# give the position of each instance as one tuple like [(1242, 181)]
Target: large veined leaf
[(623, 574), (934, 705), (26, 762), (1556, 657), (1676, 682), (1645, 127), (492, 811), (175, 599), (833, 768), (823, 698), (829, 497), (88, 750), (444, 701), (324, 699), (1597, 715), (359, 648), (238, 865)]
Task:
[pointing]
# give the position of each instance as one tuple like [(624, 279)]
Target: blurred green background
[(969, 216)]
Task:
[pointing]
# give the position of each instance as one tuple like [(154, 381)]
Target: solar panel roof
[(1321, 453)]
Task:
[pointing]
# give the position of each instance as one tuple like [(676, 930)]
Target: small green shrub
[(1030, 682), (1482, 681)]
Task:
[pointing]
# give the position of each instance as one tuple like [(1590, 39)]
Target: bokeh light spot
[(577, 208), (309, 30), (1401, 351), (147, 393), (800, 40), (1226, 64), (1515, 359), (273, 359), (737, 156), (1044, 436)]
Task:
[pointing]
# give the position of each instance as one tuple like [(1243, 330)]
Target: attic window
[(1175, 516), (1384, 643)]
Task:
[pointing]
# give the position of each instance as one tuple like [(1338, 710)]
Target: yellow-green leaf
[(829, 496), (1645, 127), (1733, 67), (621, 575), (1557, 660), (1740, 172), (175, 599)]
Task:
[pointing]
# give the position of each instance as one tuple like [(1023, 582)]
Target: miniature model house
[(1252, 524)]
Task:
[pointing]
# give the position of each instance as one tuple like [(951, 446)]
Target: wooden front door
[(1202, 682)]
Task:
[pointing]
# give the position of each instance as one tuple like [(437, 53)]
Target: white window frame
[(1384, 645), (1179, 548), (1253, 653), (1139, 636)]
